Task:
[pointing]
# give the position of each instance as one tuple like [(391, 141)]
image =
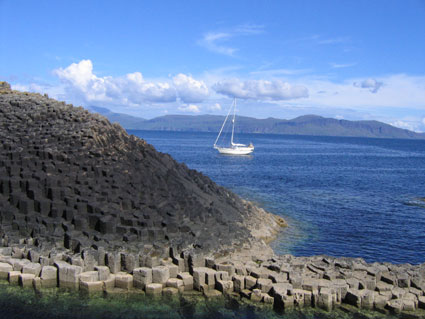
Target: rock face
[(286, 282), (72, 181)]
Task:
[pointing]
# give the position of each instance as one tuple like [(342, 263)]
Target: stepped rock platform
[(84, 205)]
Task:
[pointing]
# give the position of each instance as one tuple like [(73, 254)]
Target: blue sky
[(344, 59)]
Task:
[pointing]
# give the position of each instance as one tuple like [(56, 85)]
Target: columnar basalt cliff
[(72, 179), (85, 206)]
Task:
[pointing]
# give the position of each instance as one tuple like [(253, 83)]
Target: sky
[(354, 60)]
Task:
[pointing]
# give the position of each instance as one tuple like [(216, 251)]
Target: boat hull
[(235, 150)]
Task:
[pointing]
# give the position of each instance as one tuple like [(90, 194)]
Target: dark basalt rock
[(71, 179)]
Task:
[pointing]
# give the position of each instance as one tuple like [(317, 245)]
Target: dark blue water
[(353, 197), (341, 196)]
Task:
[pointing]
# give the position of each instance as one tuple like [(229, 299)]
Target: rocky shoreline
[(85, 206), (72, 180), (284, 282)]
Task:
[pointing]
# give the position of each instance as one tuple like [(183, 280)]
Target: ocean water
[(341, 197), (356, 197)]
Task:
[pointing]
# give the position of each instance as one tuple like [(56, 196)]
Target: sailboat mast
[(221, 130), (233, 120)]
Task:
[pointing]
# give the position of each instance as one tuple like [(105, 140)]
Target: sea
[(341, 196)]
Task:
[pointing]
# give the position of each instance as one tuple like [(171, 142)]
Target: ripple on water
[(342, 196)]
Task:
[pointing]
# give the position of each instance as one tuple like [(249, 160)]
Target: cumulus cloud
[(136, 88), (190, 90), (274, 90), (131, 89), (79, 74), (80, 79), (192, 108), (370, 84)]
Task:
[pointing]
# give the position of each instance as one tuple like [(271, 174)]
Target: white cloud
[(215, 41), (32, 87), (129, 89), (404, 125), (135, 88), (217, 107), (400, 99), (190, 90), (209, 41), (274, 90), (79, 74), (399, 91), (192, 108), (82, 83), (132, 89), (370, 84), (54, 91)]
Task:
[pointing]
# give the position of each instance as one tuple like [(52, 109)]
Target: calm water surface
[(354, 197), (341, 196)]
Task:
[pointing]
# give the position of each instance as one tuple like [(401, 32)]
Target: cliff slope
[(71, 179)]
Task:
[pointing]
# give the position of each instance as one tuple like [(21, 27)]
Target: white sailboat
[(234, 148)]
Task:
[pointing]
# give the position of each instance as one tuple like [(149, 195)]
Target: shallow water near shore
[(355, 197)]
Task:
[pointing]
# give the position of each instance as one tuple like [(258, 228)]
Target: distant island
[(302, 125)]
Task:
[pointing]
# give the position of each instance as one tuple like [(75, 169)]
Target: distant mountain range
[(302, 125)]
